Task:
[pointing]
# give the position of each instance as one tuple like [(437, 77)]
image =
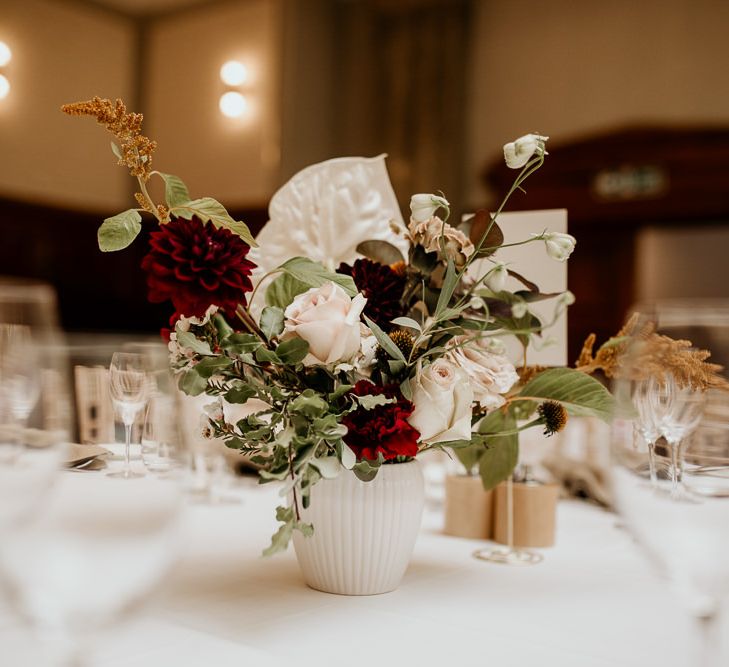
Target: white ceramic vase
[(364, 532)]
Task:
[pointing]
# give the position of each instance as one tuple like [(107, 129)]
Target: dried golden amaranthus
[(135, 150)]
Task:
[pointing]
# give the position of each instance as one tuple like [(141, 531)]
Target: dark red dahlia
[(382, 286), (195, 265), (383, 429)]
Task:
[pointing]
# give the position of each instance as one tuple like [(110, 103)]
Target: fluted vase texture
[(364, 532)]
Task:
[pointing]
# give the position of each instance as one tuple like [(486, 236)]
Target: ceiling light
[(5, 54), (4, 87)]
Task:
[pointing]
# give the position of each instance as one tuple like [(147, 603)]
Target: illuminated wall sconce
[(5, 56), (233, 103)]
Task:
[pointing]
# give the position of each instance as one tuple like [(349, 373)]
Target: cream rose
[(427, 233), (328, 319), (489, 374), (442, 397)]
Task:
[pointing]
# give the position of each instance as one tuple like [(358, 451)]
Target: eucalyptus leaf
[(292, 351), (579, 393), (380, 251), (272, 321), (385, 341), (176, 193), (192, 383), (211, 210), (189, 339), (118, 232)]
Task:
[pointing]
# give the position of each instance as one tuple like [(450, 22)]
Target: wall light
[(4, 87), (233, 104), (5, 54), (234, 73)]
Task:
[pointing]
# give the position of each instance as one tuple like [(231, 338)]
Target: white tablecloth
[(593, 602)]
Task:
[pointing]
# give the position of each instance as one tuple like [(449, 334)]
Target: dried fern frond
[(651, 355), (135, 149)]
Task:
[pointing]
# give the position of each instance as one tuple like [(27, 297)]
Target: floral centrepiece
[(343, 372)]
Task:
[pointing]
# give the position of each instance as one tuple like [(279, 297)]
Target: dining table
[(595, 600)]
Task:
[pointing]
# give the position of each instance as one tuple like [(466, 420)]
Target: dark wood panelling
[(97, 291)]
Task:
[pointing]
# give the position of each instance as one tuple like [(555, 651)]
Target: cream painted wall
[(61, 53), (233, 160), (568, 67)]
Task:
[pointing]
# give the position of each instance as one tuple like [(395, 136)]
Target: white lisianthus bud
[(496, 278), (559, 246), (476, 303), (519, 309), (518, 153), (423, 206)]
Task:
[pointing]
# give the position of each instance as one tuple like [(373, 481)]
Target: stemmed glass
[(129, 387), (648, 417), (682, 523)]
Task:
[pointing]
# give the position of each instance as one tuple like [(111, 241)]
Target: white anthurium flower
[(559, 246), (423, 206), (496, 278), (517, 153), (442, 397)]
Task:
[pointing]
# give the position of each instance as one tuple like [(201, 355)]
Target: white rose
[(423, 206), (559, 246), (489, 374), (518, 153), (442, 397), (328, 319)]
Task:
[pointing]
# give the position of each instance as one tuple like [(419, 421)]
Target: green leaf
[(211, 365), (176, 193), (188, 339), (469, 456), (408, 322), (192, 383), (385, 341), (367, 470), (211, 210), (117, 232), (280, 539), (314, 274), (292, 351), (340, 391), (240, 394), (117, 151), (501, 455), (309, 404), (240, 343), (272, 321), (368, 402), (449, 286), (346, 455), (380, 251), (328, 466), (581, 395), (263, 354), (283, 289)]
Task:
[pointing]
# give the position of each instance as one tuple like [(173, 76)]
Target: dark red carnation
[(382, 286), (195, 265), (383, 429)]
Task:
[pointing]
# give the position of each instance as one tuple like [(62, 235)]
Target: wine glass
[(683, 528), (95, 550), (129, 388)]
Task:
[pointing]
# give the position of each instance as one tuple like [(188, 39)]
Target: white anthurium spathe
[(517, 153), (495, 280), (442, 397), (559, 246), (423, 206)]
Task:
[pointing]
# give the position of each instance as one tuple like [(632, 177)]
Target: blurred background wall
[(439, 85)]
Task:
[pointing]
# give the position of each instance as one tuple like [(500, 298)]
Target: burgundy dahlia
[(195, 265), (382, 286), (383, 429)]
